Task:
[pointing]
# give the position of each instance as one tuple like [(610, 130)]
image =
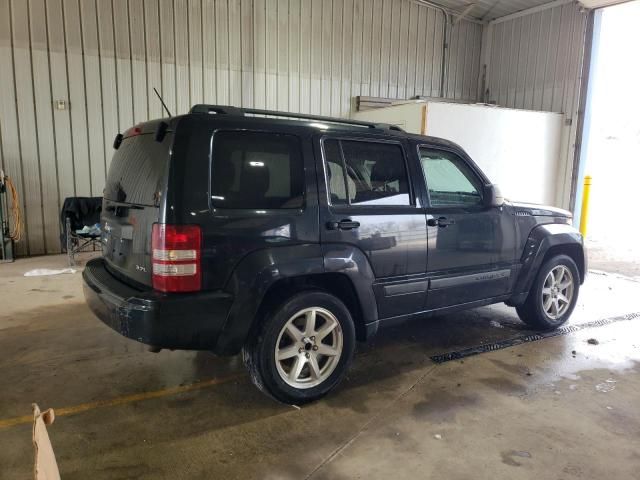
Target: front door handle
[(441, 222), (345, 224)]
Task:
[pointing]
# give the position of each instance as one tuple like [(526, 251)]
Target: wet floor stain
[(442, 407), (505, 385), (516, 369), (573, 470)]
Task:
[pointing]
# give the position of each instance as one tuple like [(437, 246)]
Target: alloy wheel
[(309, 347), (557, 292)]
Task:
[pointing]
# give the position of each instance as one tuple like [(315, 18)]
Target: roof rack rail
[(229, 110)]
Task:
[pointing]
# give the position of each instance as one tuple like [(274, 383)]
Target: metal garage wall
[(534, 62), (105, 57)]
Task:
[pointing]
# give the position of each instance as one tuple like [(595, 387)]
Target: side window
[(256, 170), (373, 173), (450, 181), (338, 186)]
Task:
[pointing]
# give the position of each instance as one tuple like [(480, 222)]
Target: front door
[(370, 205), (471, 247)]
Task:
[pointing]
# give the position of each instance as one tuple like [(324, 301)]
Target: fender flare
[(541, 239), (250, 281), (352, 262), (258, 271)]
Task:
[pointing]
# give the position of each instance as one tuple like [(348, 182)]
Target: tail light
[(176, 258)]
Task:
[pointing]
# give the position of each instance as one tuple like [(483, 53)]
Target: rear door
[(135, 186), (370, 205)]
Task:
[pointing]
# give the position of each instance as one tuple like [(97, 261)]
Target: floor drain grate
[(511, 342)]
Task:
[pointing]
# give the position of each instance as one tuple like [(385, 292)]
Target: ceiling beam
[(529, 11), (463, 13)]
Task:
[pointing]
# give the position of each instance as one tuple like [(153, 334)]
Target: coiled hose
[(15, 213)]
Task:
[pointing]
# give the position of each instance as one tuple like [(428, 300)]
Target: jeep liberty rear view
[(288, 237)]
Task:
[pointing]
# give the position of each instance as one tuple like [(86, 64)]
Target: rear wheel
[(304, 348), (553, 295)]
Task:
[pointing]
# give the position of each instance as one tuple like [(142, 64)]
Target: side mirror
[(492, 196)]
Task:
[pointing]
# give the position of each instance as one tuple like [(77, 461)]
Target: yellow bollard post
[(584, 213)]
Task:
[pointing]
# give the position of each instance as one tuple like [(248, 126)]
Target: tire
[(309, 366), (549, 292)]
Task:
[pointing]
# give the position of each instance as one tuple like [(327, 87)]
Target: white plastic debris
[(41, 272), (607, 386), (521, 453), (437, 436)]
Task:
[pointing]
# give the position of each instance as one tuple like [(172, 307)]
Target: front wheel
[(304, 348), (553, 295)]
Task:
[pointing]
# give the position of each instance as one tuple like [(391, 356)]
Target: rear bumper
[(177, 321)]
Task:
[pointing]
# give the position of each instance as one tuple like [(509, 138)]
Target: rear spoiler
[(160, 132)]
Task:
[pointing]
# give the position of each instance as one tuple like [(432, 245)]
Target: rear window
[(256, 171), (138, 170)]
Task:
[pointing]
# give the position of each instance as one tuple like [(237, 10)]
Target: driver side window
[(449, 179)]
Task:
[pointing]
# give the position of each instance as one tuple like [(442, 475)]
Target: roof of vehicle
[(316, 122)]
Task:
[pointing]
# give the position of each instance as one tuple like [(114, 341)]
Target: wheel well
[(573, 250), (336, 284)]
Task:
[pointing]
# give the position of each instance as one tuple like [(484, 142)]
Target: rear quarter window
[(255, 170)]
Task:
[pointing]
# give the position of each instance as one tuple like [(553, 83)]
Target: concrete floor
[(558, 408), (621, 257)]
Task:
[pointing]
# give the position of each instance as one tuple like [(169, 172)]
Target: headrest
[(385, 171)]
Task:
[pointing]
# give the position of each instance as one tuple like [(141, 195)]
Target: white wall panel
[(153, 59), (27, 129), (493, 137), (136, 30), (60, 90), (123, 63), (44, 131), (9, 132), (92, 83), (76, 83), (104, 57)]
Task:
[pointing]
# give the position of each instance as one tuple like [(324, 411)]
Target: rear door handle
[(441, 222), (343, 225)]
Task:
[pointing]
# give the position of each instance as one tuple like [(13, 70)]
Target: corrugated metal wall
[(536, 59), (535, 62), (105, 57)]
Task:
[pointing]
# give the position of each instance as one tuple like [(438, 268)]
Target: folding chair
[(76, 213)]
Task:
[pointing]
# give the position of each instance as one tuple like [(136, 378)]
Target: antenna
[(162, 102)]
